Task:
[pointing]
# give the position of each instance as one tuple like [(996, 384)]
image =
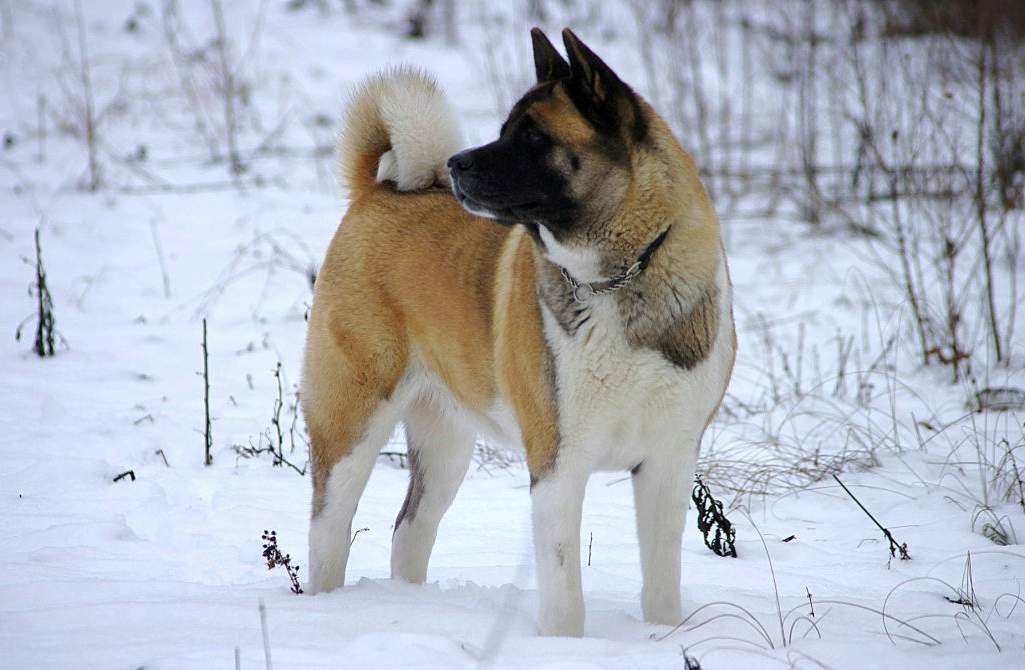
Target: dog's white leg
[(439, 454), (557, 501), (660, 486), (331, 529)]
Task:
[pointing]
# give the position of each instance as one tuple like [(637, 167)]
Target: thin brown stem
[(895, 547), (208, 459), (980, 198)]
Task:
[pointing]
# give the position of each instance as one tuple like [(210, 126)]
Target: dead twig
[(895, 547), (274, 436), (208, 458), (354, 535)]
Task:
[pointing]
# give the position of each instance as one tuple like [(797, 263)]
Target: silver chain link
[(584, 291)]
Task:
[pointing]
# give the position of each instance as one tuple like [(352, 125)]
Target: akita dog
[(572, 296)]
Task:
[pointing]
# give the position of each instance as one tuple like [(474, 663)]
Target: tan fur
[(406, 274), (559, 116), (523, 365), (363, 140)]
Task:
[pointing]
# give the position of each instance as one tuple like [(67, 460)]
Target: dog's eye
[(533, 136)]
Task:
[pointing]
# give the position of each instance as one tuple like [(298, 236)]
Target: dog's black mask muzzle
[(501, 181)]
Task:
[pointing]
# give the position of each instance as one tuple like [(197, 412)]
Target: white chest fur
[(619, 404)]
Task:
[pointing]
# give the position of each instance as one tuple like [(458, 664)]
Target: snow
[(164, 571)]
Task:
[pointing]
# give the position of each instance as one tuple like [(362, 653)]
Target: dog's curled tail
[(398, 127)]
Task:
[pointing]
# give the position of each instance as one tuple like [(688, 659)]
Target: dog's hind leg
[(335, 499), (353, 395), (439, 454)]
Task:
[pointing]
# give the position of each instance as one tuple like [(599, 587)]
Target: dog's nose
[(461, 161)]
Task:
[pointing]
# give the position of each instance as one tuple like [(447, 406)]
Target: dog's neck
[(668, 270), (596, 262), (583, 291)]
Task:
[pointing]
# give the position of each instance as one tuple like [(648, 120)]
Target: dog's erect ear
[(598, 93), (590, 72), (548, 63)]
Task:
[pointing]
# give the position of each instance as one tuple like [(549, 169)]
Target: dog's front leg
[(660, 486), (557, 501)]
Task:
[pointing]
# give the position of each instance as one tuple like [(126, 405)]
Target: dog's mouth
[(479, 206)]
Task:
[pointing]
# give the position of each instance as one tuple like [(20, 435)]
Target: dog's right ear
[(548, 63)]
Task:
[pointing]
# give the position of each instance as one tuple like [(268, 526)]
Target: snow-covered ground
[(165, 571)]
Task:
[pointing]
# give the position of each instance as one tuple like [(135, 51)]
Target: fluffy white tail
[(400, 128)]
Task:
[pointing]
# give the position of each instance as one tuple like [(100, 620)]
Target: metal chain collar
[(584, 291)]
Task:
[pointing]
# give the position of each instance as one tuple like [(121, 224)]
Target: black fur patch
[(415, 492)]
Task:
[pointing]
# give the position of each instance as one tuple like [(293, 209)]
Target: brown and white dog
[(572, 297)]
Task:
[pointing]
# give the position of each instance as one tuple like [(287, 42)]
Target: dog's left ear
[(548, 63), (598, 92)]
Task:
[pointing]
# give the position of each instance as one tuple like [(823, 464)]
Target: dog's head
[(566, 156)]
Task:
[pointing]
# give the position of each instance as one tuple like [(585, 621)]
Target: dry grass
[(737, 628)]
